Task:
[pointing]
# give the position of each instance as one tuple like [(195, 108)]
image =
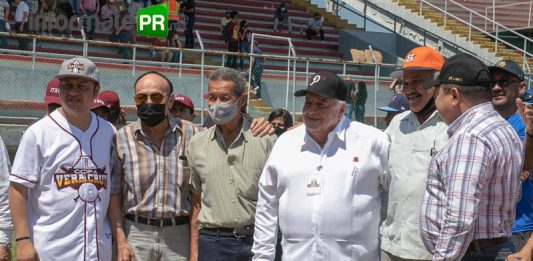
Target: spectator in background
[(143, 3), (6, 227), (174, 40), (281, 120), (64, 8), (117, 115), (21, 23), (100, 109), (189, 8), (223, 22), (397, 105), (89, 10), (359, 104), (162, 55), (314, 27), (4, 17), (75, 7), (257, 71), (33, 9), (350, 97), (48, 10), (108, 12), (183, 108), (123, 30), (51, 96), (233, 39), (281, 17), (244, 43), (133, 7)]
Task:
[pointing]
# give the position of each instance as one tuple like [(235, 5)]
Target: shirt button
[(232, 201), (235, 220)]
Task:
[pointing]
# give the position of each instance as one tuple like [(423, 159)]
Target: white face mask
[(222, 113)]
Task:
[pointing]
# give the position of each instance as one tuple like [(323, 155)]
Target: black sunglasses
[(503, 82)]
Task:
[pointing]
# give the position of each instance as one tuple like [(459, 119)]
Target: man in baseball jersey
[(59, 190)]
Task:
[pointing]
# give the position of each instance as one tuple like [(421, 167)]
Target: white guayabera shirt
[(327, 199)]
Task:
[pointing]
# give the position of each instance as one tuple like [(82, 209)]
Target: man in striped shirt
[(473, 181)]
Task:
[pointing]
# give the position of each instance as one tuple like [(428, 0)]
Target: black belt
[(158, 222), (486, 243), (228, 232)]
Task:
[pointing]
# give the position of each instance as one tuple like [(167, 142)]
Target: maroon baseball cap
[(51, 96), (110, 99), (97, 103), (184, 100)]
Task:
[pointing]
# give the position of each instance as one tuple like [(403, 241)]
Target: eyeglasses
[(154, 97), (503, 82)]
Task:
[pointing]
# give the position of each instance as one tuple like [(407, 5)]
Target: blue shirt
[(524, 208)]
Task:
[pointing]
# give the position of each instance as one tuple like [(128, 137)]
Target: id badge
[(313, 187)]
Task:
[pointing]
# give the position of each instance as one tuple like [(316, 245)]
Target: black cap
[(325, 84), (508, 66), (464, 70)]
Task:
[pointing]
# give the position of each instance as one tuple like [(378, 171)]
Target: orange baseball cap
[(420, 58)]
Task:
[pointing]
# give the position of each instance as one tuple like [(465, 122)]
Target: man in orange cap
[(415, 136)]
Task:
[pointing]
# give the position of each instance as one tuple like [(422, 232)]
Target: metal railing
[(134, 64), (494, 12), (499, 27)]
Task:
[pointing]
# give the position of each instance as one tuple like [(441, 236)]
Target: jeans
[(3, 38), (158, 243), (189, 33), (519, 239), (244, 47), (123, 37), (310, 33), (23, 42), (75, 7), (232, 59), (490, 253), (89, 15), (349, 111), (214, 248)]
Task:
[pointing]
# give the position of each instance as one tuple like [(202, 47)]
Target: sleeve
[(5, 214), (195, 183), (266, 215), (117, 169), (385, 177), (28, 161), (464, 172)]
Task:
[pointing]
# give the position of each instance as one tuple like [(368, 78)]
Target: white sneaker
[(62, 36)]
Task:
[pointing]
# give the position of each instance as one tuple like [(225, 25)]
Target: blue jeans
[(244, 47), (123, 37), (75, 7), (213, 248), (349, 111), (89, 15), (3, 38), (490, 253), (189, 33)]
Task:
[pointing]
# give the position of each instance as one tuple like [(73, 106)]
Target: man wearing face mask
[(150, 207), (415, 136), (224, 180)]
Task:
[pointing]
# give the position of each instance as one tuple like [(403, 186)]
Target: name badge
[(313, 187)]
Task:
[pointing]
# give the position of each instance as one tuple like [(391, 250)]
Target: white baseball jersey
[(67, 173)]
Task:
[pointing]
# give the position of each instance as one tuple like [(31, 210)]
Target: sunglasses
[(502, 82), (154, 97)]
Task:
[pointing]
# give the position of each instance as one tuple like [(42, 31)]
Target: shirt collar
[(215, 130), (339, 131), (411, 116), (467, 116), (174, 125)]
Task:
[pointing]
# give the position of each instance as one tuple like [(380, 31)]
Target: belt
[(486, 243), (228, 232), (158, 222)]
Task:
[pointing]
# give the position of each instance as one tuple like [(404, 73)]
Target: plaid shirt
[(154, 182), (473, 184)]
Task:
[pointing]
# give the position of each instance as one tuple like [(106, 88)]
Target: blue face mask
[(222, 113)]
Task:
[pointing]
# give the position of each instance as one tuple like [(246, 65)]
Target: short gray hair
[(232, 75), (474, 94)]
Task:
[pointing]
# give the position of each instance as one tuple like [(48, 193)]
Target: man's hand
[(261, 127), (526, 114), (124, 252), (525, 174), (5, 253), (523, 255), (26, 251)]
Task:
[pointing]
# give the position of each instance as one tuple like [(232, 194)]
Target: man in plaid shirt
[(473, 181)]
